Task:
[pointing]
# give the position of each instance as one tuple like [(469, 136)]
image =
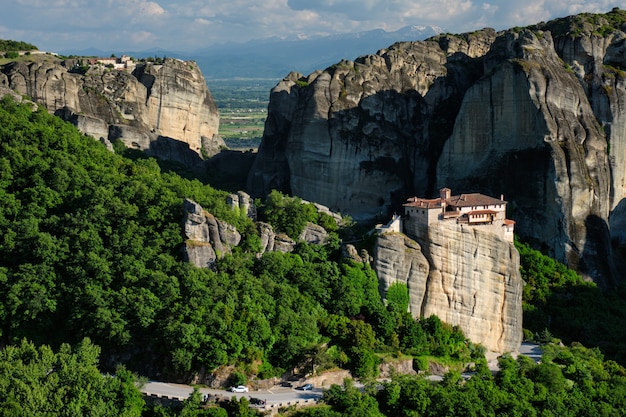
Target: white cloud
[(142, 37), (63, 24), (151, 8)]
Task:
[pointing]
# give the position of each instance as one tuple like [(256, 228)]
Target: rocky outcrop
[(349, 251), (313, 233), (242, 202), (206, 238), (467, 277), (165, 110), (535, 114), (272, 241)]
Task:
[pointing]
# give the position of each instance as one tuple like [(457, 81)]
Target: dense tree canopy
[(90, 247), (568, 382), (558, 303), (36, 381)]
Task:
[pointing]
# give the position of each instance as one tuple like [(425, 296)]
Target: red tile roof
[(462, 200)]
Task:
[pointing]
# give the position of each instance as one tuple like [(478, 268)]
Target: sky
[(188, 25)]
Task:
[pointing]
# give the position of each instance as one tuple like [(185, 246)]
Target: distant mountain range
[(275, 57)]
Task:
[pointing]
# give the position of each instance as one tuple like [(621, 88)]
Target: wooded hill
[(90, 248)]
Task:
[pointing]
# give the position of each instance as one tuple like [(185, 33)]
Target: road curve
[(276, 395), (287, 396)]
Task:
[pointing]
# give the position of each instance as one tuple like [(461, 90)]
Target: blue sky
[(186, 25)]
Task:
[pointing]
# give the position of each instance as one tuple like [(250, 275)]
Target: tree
[(398, 296), (37, 381), (287, 214)]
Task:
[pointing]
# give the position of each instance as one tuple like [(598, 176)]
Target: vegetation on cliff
[(558, 303), (585, 24), (90, 247)]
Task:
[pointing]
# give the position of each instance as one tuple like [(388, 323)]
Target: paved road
[(280, 395), (532, 350), (276, 395)]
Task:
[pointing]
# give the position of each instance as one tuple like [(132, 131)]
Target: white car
[(239, 388)]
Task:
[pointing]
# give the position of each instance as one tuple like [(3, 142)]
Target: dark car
[(257, 401), (286, 384)]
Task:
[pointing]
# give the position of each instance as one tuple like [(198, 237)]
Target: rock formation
[(467, 277), (165, 110), (243, 202), (206, 238), (534, 113)]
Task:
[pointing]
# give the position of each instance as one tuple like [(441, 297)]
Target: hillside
[(531, 113), (91, 248)]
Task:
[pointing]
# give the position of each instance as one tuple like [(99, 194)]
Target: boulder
[(206, 237)]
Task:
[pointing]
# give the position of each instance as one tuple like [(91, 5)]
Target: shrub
[(398, 296)]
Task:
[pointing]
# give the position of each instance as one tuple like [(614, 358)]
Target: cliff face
[(165, 110), (465, 276), (535, 114)]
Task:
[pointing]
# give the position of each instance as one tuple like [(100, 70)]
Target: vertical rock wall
[(166, 110), (536, 114), (467, 277)]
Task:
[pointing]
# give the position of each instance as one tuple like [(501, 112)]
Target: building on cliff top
[(118, 63), (475, 210)]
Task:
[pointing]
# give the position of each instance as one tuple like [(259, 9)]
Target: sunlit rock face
[(165, 110), (535, 114), (467, 277)]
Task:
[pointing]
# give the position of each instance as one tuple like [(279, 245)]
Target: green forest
[(15, 46), (96, 296)]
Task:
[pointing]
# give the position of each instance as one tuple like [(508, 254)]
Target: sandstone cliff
[(165, 110), (529, 113), (467, 277)]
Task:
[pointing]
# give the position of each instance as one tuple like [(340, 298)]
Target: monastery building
[(468, 210)]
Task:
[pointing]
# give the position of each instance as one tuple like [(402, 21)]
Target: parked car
[(257, 401), (305, 387), (286, 384), (239, 388)]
